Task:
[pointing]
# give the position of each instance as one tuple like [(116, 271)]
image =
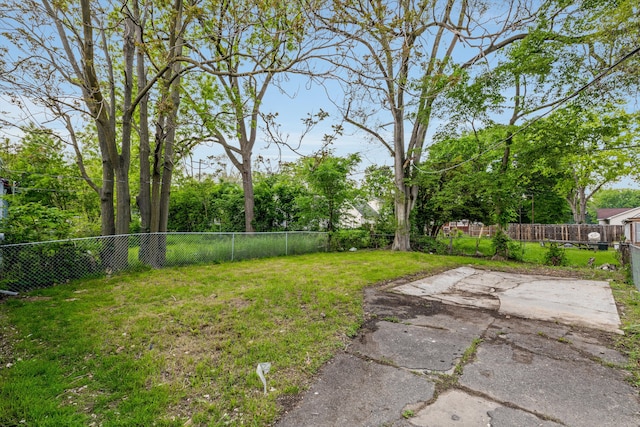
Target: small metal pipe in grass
[(13, 294)]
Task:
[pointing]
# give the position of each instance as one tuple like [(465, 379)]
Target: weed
[(555, 255), (352, 331), (500, 244), (445, 382), (391, 319), (467, 356), (407, 414)]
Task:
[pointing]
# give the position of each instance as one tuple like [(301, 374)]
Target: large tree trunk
[(582, 218), (578, 203), (401, 241), (143, 199), (402, 205), (107, 217), (249, 199), (115, 164), (154, 245)]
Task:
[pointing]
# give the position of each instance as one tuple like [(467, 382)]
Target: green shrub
[(556, 255), (345, 239), (500, 244), (29, 267), (506, 248), (516, 250), (429, 244)]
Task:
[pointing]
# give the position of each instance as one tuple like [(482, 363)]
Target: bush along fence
[(28, 266)]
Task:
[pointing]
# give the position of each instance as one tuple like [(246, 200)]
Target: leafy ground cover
[(181, 345)]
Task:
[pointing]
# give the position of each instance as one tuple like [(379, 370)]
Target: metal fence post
[(286, 243)]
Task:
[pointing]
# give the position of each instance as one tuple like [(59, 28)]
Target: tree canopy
[(483, 108)]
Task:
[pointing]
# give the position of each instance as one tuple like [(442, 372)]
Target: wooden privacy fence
[(563, 232)]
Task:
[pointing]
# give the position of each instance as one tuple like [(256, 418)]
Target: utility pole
[(532, 210)]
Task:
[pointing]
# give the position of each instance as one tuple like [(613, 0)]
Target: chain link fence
[(635, 265), (24, 267)]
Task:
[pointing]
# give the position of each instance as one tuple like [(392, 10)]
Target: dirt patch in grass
[(7, 337), (36, 298), (238, 303)]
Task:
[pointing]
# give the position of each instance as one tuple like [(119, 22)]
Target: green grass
[(182, 343), (533, 252), (164, 347), (628, 299), (190, 249)]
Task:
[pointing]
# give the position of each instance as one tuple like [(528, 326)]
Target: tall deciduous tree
[(78, 60), (399, 57), (586, 149), (244, 47), (160, 58), (60, 58)]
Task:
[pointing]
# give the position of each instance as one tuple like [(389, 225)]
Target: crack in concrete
[(508, 404)]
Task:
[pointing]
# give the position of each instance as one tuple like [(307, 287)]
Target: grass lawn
[(532, 251), (181, 345)]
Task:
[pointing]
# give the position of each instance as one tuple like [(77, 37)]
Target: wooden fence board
[(562, 232), (565, 232)]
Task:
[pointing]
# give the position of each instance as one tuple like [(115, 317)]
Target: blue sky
[(303, 100)]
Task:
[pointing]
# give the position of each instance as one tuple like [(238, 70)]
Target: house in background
[(616, 216), (361, 214), (632, 229)]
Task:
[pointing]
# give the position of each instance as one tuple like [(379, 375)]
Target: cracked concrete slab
[(556, 340), (459, 408), (577, 393), (468, 322), (596, 349), (412, 347), (588, 303), (436, 284), (583, 302), (455, 407), (526, 372), (355, 392)]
